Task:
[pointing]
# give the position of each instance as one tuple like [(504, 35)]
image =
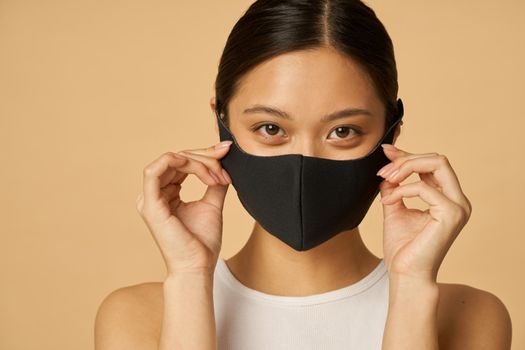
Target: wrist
[(189, 278), (403, 289)]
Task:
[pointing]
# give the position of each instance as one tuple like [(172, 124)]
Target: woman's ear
[(397, 131), (212, 104)]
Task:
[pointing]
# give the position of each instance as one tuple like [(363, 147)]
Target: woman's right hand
[(189, 235)]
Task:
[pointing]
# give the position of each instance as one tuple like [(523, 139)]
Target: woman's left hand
[(415, 242)]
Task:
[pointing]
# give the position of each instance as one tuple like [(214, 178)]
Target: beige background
[(92, 91)]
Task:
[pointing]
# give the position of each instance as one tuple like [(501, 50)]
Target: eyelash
[(357, 131)]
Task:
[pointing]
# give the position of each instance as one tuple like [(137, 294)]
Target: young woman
[(312, 86)]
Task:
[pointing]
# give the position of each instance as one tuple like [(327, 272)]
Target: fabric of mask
[(303, 200)]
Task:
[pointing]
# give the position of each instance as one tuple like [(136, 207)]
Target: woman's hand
[(415, 242), (189, 235)]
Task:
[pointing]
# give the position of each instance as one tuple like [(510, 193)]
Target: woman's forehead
[(318, 81)]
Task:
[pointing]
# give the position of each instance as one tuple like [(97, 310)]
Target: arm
[(414, 244), (470, 318), (189, 320), (412, 315), (175, 314)]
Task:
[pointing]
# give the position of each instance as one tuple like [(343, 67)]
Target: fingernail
[(389, 146), (393, 174), (226, 176), (385, 169), (223, 144), (180, 155)]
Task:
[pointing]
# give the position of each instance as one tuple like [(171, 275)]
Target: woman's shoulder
[(468, 317), (130, 317), (472, 318)]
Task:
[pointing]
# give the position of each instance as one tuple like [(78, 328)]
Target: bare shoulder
[(130, 317), (472, 318)]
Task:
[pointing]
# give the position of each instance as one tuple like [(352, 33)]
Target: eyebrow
[(347, 112)]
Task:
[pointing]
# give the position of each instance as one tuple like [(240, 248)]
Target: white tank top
[(352, 317)]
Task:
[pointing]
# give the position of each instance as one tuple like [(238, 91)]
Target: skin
[(423, 314)]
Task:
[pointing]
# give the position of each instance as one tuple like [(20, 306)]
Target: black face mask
[(303, 200)]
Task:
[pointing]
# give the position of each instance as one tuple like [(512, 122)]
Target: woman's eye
[(269, 129), (343, 131)]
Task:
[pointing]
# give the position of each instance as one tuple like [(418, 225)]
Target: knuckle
[(148, 171), (166, 156), (443, 159), (145, 213), (398, 163), (169, 154), (467, 207), (459, 212)]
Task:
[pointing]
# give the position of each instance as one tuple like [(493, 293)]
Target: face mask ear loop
[(221, 119), (301, 202), (400, 111), (218, 108), (398, 116)]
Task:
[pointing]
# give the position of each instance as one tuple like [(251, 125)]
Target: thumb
[(386, 188), (215, 195)]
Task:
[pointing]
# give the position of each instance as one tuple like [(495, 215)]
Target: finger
[(169, 176), (398, 158), (154, 171), (213, 164), (440, 169), (386, 188), (200, 169), (152, 174), (215, 195), (443, 212), (171, 191), (388, 169), (391, 149), (216, 151), (429, 179), (438, 202)]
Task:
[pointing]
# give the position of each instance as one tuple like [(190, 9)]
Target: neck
[(268, 265)]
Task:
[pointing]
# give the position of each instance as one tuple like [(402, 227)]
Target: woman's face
[(284, 106)]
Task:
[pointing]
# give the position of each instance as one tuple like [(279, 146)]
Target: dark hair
[(272, 27)]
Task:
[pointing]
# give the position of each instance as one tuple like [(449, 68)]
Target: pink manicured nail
[(389, 146), (223, 144), (393, 174), (180, 155), (384, 169)]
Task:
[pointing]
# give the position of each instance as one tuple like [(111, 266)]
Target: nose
[(307, 147)]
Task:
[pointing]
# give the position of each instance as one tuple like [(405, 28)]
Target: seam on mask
[(301, 201)]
